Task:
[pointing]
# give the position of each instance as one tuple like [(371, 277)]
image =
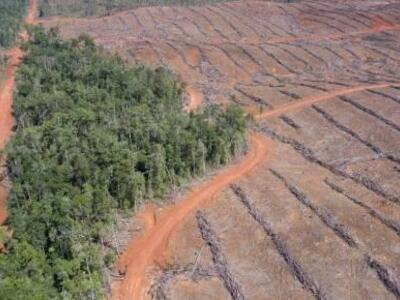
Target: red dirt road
[(6, 99), (152, 247)]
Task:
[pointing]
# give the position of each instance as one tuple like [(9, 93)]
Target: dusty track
[(6, 98)]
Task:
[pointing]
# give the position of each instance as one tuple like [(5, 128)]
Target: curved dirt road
[(6, 98)]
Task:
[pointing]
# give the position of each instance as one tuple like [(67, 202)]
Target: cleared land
[(320, 218)]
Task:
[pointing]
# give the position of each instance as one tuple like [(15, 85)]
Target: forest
[(79, 8), (11, 14), (94, 136)]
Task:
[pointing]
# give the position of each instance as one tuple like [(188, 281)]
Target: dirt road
[(6, 98)]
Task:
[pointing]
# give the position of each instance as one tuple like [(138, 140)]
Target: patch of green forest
[(94, 136), (79, 8), (12, 13)]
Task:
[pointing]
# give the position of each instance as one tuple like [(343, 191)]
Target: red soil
[(196, 99)]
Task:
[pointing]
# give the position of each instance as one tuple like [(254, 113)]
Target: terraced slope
[(321, 217)]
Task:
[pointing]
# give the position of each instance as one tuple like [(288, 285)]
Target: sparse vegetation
[(94, 136), (77, 8)]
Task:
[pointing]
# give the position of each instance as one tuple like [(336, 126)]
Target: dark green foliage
[(11, 14), (84, 8), (94, 136), (3, 65)]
